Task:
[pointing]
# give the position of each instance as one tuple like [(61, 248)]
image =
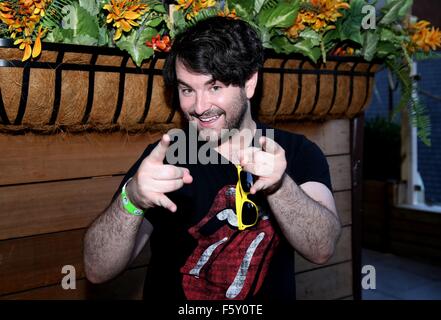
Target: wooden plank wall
[(414, 233), (52, 187)]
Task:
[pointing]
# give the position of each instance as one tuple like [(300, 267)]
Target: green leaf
[(60, 36), (159, 8), (179, 23), (349, 28), (312, 35), (154, 22), (265, 36), (283, 45), (330, 39), (394, 11), (84, 40), (80, 21), (134, 44), (282, 16), (387, 35), (258, 6), (385, 49), (54, 15), (244, 8), (90, 6), (370, 42), (330, 36), (304, 47), (104, 39)]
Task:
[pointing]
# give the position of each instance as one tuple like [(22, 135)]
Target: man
[(221, 230)]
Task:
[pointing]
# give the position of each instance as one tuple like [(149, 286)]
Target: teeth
[(208, 119)]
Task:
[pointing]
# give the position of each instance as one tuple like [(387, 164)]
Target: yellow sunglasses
[(246, 210)]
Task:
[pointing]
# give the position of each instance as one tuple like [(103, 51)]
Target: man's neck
[(231, 148)]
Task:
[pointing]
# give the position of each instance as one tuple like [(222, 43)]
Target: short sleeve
[(309, 164)]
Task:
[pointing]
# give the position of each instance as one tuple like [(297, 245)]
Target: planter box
[(77, 88)]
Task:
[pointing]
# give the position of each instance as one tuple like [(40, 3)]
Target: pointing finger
[(159, 152), (269, 145)]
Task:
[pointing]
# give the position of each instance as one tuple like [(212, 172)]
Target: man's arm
[(309, 222), (109, 243), (307, 217)]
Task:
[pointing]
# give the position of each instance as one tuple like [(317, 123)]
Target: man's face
[(209, 104)]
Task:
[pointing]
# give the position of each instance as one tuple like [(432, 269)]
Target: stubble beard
[(232, 123)]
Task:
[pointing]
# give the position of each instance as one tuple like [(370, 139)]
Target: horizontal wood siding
[(53, 186)]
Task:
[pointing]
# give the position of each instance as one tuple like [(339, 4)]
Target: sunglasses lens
[(245, 181), (249, 213)]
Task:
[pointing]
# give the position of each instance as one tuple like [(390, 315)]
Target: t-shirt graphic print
[(228, 264)]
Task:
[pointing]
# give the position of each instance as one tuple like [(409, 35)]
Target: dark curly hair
[(229, 50)]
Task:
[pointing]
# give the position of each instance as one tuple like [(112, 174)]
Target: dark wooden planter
[(78, 88)]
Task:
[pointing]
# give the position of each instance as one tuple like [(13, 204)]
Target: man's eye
[(216, 88), (186, 91)]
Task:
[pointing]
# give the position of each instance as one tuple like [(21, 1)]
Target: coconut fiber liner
[(79, 88)]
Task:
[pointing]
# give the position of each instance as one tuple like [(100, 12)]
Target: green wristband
[(127, 204)]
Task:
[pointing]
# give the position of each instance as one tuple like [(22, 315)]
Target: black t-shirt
[(172, 244)]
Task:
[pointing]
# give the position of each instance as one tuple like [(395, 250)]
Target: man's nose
[(202, 104)]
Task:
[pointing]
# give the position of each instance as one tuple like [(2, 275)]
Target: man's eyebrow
[(210, 81)]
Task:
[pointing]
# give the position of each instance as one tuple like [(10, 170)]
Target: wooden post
[(356, 136)]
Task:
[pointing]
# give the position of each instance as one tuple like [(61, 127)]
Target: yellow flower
[(37, 45), (124, 14), (229, 14), (293, 31), (194, 6), (329, 9), (317, 14), (423, 37), (26, 45), (36, 7), (427, 39), (184, 4)]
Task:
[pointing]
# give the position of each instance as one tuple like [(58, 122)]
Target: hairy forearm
[(109, 242), (311, 228)]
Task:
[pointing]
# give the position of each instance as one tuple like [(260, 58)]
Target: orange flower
[(229, 14), (26, 45), (293, 31), (423, 37), (6, 13), (317, 14), (329, 9), (192, 7), (22, 18), (37, 45), (340, 51), (124, 14), (159, 44), (184, 4)]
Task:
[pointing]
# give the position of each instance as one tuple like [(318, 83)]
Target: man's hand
[(154, 178), (268, 164)]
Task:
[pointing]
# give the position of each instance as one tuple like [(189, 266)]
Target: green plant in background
[(312, 28)]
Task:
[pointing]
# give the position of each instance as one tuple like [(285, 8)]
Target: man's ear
[(250, 85)]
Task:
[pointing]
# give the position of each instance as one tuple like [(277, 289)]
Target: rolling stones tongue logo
[(228, 263)]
